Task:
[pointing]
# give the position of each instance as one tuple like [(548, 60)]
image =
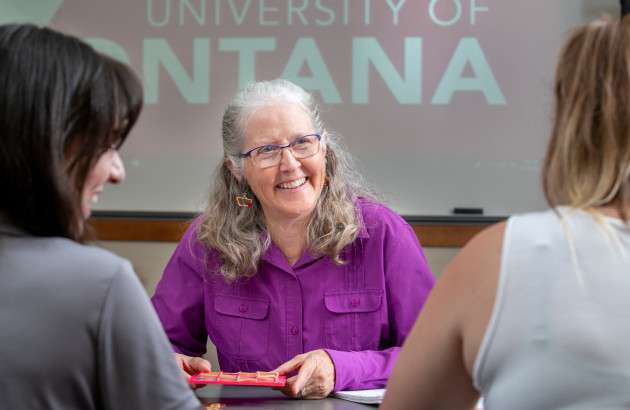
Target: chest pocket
[(241, 326), (353, 319)]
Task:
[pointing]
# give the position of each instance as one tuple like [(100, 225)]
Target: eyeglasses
[(269, 155)]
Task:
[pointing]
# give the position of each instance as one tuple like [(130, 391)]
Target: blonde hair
[(587, 164), (239, 234)]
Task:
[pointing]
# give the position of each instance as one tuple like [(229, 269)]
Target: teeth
[(293, 184), (94, 198)]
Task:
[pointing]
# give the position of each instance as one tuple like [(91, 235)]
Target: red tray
[(240, 378)]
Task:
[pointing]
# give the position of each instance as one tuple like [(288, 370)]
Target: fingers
[(290, 366), (191, 365), (306, 375), (183, 366), (287, 389), (199, 365), (315, 378)]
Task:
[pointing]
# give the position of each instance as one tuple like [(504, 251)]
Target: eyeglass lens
[(302, 147)]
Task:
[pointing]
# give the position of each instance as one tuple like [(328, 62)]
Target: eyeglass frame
[(249, 153)]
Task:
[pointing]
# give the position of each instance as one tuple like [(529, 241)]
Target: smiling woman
[(294, 266), (61, 129), (289, 192), (64, 111)]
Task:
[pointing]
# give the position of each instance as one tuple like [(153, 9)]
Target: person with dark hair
[(295, 266), (77, 330), (533, 312)]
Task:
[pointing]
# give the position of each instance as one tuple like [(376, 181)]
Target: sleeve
[(136, 366), (408, 282), (179, 297)]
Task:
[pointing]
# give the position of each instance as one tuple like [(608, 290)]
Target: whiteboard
[(445, 103)]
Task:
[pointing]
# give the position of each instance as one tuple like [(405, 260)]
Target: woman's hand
[(315, 378), (190, 365)]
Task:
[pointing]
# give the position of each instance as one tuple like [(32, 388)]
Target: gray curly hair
[(240, 234)]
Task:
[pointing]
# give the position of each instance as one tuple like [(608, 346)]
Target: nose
[(117, 172), (288, 162)]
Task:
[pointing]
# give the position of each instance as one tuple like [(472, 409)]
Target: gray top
[(559, 334), (77, 331)]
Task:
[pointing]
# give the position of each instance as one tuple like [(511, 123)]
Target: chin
[(303, 210), (86, 211)]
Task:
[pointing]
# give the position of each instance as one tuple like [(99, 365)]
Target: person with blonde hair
[(294, 266), (77, 330), (533, 312)]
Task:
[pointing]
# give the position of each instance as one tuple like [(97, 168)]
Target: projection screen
[(445, 103)]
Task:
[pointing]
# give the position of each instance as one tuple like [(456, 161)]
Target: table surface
[(261, 397)]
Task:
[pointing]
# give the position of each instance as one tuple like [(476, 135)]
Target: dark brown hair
[(62, 105)]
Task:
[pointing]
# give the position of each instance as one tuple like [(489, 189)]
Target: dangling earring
[(326, 181), (244, 201)]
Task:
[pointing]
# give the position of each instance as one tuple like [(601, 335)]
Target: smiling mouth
[(292, 184)]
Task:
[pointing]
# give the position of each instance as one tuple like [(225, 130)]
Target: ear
[(325, 139), (233, 169)]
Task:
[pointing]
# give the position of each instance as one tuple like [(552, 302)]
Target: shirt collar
[(275, 256), (9, 229)]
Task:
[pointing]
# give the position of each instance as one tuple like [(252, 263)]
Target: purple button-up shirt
[(360, 312)]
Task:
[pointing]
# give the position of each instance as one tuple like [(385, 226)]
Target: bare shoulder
[(474, 261), (448, 331), (473, 277), (487, 242)]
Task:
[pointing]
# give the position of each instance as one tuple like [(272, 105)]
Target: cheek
[(319, 168), (260, 181), (100, 173)]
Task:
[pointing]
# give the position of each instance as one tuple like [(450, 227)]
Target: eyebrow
[(288, 140)]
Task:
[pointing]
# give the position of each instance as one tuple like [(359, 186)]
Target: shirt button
[(294, 330), (355, 302), (243, 308)]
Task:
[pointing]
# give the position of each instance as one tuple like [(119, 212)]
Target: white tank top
[(559, 334)]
